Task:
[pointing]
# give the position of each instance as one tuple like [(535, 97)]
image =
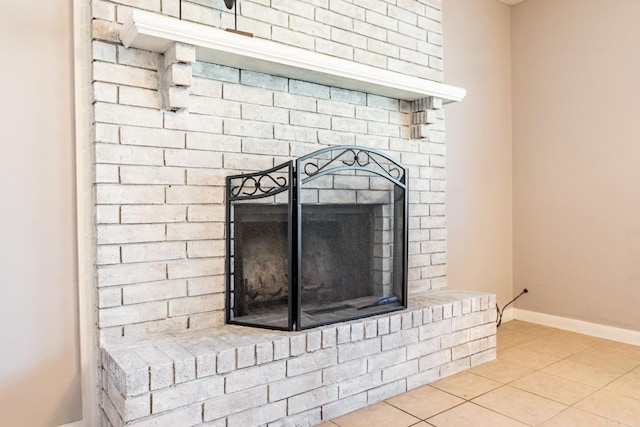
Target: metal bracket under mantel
[(156, 33)]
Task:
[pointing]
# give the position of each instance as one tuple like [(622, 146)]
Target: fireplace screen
[(320, 242)]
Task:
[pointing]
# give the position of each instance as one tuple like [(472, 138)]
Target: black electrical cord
[(499, 312)]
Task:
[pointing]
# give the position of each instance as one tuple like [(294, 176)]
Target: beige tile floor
[(542, 377)]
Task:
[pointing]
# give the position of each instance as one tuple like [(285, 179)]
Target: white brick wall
[(159, 178), (163, 380)]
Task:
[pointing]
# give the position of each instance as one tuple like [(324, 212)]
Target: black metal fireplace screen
[(322, 242)]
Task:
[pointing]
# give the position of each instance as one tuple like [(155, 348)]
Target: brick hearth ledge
[(238, 377)]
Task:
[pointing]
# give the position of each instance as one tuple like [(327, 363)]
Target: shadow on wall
[(26, 401)]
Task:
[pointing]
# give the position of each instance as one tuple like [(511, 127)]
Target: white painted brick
[(108, 255), (205, 213), (296, 133), (329, 337), (205, 248), (357, 331), (483, 357), (233, 403), (359, 349), (226, 361), (386, 391), (109, 297), (125, 274), (217, 107), (249, 378), (294, 38), (216, 72), (309, 89), (105, 92), (178, 75), (294, 102), (343, 371), (248, 128), (184, 394), (195, 231), (348, 125), (128, 155), (203, 89), (264, 353), (145, 330), (192, 122), (153, 291), (383, 326), (266, 14), (281, 349), (434, 359), (258, 416), (104, 51), (399, 371), (423, 348), (179, 52), (171, 7), (395, 323), (246, 354), (195, 195), (153, 252), (125, 75), (347, 9), (204, 15), (334, 49), (127, 314), (386, 359), (294, 386), (244, 162), (308, 26), (344, 406), (184, 362), (152, 137), (344, 334), (311, 362), (193, 158), (195, 268), (103, 10), (295, 7), (151, 175), (197, 304), (204, 141), (112, 234), (130, 408), (467, 321), (140, 214), (305, 401), (107, 132), (314, 340), (205, 285), (266, 81), (139, 97), (187, 416), (160, 367), (107, 214), (360, 384), (298, 344), (253, 95), (129, 194)]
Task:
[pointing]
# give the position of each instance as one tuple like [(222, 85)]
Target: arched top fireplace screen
[(322, 242)]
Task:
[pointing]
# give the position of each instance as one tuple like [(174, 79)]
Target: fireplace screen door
[(322, 242)]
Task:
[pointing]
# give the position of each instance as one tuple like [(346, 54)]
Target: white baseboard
[(587, 328)]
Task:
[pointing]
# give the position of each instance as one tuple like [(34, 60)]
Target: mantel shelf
[(154, 32)]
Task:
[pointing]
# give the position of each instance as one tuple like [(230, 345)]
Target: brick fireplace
[(176, 110)]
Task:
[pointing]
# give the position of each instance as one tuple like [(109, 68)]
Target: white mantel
[(154, 32)]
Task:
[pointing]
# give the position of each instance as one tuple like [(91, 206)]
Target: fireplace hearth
[(318, 242)]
